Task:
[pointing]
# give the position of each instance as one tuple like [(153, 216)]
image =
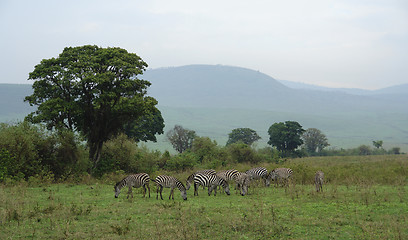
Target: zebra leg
[(195, 190), (215, 191), (144, 190), (210, 190), (161, 190), (171, 194), (148, 187), (130, 192), (157, 192)]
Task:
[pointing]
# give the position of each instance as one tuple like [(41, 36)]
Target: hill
[(214, 99)]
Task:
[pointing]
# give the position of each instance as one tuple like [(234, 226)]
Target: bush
[(181, 162), (242, 153)]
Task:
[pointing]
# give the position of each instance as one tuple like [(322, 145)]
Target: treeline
[(30, 150)]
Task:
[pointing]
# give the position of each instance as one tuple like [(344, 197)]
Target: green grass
[(64, 211), (351, 207)]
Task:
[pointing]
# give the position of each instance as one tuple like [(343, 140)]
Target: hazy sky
[(352, 43)]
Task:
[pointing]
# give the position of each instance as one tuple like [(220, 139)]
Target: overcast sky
[(352, 43)]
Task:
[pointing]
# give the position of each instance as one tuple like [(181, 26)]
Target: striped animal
[(280, 175), (259, 173), (210, 181), (190, 179), (169, 182), (135, 180), (228, 175), (243, 180), (319, 177)]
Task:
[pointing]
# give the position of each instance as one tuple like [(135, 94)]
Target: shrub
[(181, 162)]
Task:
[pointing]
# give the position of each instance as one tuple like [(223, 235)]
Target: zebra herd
[(211, 179)]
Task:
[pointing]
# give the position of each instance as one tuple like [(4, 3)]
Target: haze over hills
[(214, 99)]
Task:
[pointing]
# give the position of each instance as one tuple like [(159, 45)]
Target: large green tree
[(94, 91), (286, 136), (245, 135)]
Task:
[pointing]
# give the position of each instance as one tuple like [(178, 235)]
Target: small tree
[(180, 138), (245, 135), (286, 136), (314, 140), (378, 144)]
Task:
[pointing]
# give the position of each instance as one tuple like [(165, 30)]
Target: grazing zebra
[(243, 180), (210, 181), (280, 175), (169, 182), (228, 175), (319, 177), (135, 180), (258, 173), (190, 179)]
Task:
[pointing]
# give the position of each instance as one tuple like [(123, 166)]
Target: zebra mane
[(180, 185)]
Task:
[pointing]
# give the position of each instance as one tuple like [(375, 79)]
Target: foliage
[(378, 143), (147, 127), (122, 153), (181, 162), (314, 140), (34, 151), (245, 135), (181, 138), (91, 90), (286, 136), (242, 153)]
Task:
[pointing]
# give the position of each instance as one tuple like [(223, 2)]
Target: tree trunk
[(95, 150)]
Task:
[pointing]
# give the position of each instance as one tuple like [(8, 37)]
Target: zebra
[(280, 175), (135, 180), (210, 181), (169, 182), (258, 173), (228, 175), (319, 177), (190, 179), (243, 180)]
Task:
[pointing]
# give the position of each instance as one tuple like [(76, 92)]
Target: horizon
[(282, 81)]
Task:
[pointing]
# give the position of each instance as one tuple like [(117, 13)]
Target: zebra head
[(184, 194), (190, 179), (117, 190)]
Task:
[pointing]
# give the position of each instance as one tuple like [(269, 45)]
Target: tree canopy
[(314, 140), (181, 139), (286, 136), (245, 135), (94, 91)]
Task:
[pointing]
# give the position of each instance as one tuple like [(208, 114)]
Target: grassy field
[(353, 206)]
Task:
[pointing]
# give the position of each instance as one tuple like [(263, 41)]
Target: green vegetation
[(365, 197), (96, 92)]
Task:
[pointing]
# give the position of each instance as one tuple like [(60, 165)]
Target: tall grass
[(366, 204)]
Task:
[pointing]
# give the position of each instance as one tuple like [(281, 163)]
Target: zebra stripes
[(258, 173), (319, 177), (190, 179), (280, 175), (227, 175), (135, 180), (210, 181), (169, 182), (243, 180)]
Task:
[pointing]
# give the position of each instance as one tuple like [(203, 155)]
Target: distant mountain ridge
[(235, 87), (214, 99)]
